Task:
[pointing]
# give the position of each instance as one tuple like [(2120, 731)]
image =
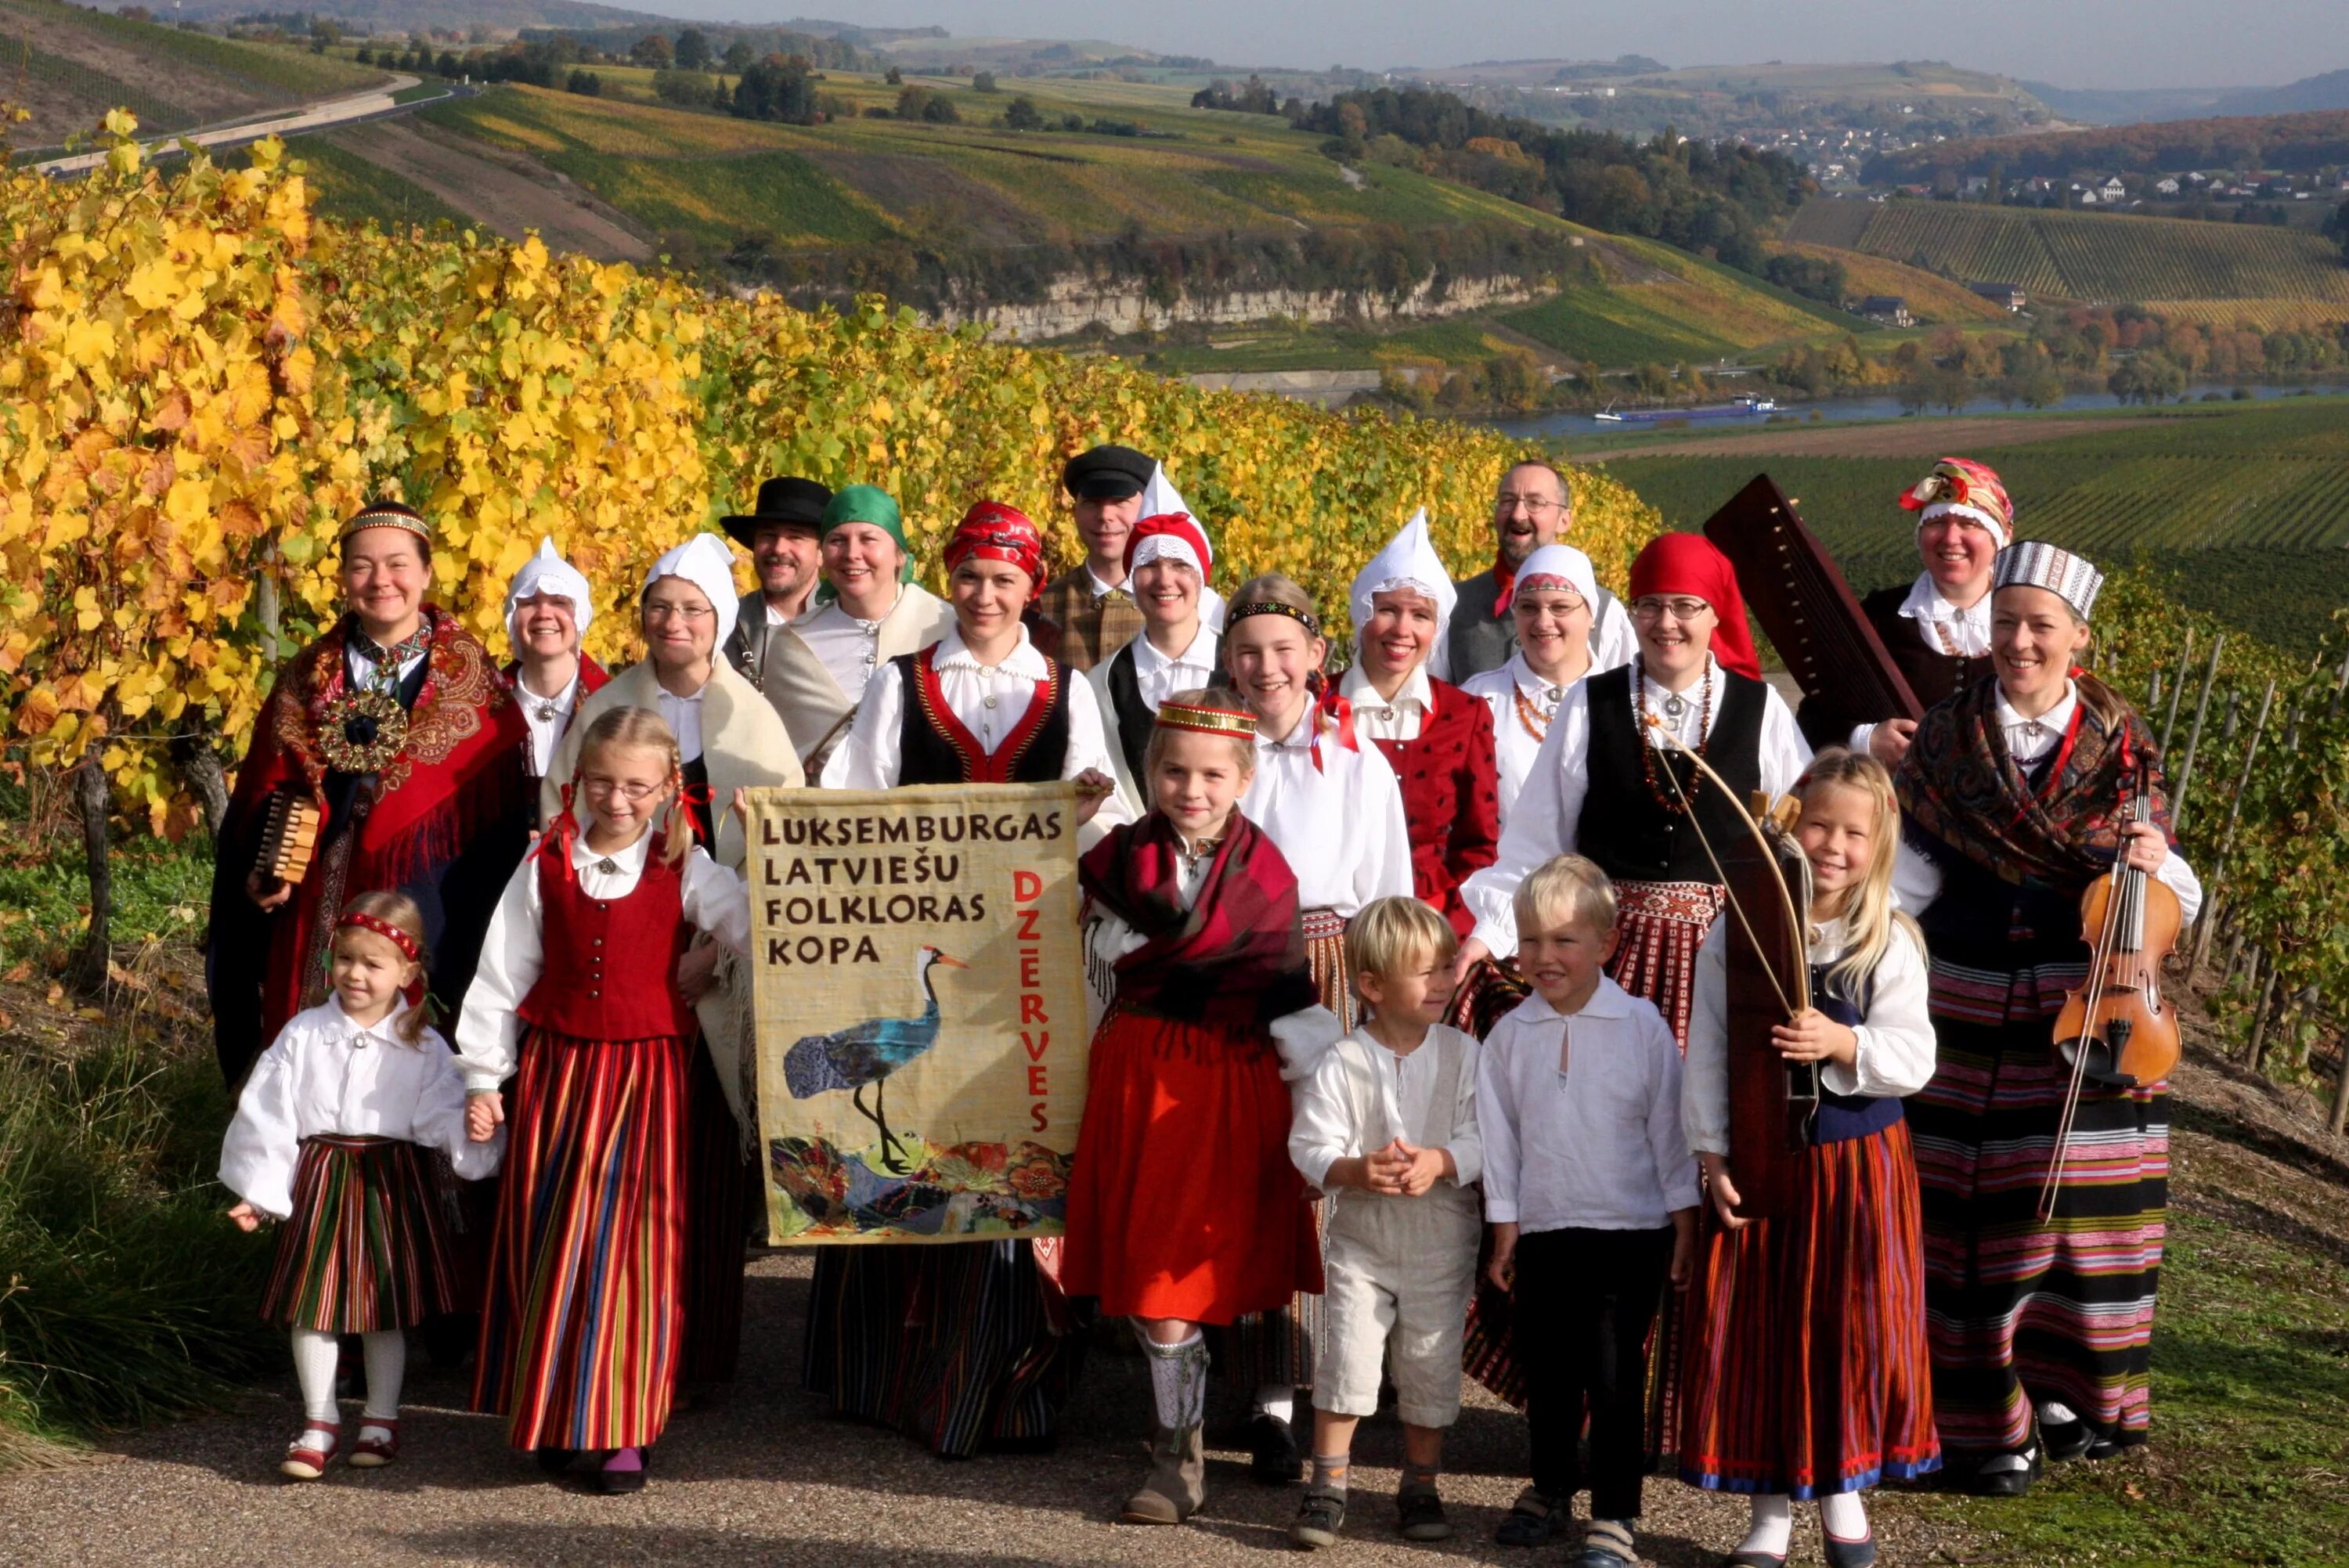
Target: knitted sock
[(1278, 1400), (1773, 1524), (1178, 1381), (387, 1364), (1418, 1478), (1329, 1473), (1844, 1516), (314, 1355)]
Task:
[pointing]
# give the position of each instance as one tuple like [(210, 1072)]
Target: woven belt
[(1322, 924)]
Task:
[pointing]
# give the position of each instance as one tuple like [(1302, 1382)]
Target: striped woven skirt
[(1804, 1369), (365, 1247), (1277, 1347), (2019, 1312), (580, 1333), (957, 1344), (721, 1192), (1659, 927)]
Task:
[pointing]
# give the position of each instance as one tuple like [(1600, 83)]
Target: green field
[(353, 190), (2248, 507), (2109, 258)]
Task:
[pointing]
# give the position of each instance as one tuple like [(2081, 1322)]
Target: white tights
[(314, 1355), (1841, 1514)]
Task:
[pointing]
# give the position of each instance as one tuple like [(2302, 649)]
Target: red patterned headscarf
[(1970, 489), (994, 532), (1688, 564)]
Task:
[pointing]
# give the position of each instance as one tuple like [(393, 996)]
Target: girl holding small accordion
[(329, 1139), (1805, 1372)]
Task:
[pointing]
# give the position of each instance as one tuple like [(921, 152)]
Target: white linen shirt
[(683, 717), (548, 717), (1550, 806), (513, 952), (1326, 1130), (1514, 746), (1377, 718), (1160, 676), (1917, 881), (326, 1074), (1339, 826), (1598, 1146), (1945, 628), (1894, 1052), (849, 649)]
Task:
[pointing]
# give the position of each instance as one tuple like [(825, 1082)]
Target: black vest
[(1135, 719), (927, 753), (1623, 827), (1843, 1116)]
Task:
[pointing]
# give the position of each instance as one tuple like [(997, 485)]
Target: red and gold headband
[(388, 514), (360, 920), (1208, 719), (1305, 618)]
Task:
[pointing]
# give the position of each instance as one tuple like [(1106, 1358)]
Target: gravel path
[(765, 1477)]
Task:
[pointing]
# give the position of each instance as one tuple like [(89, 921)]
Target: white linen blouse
[(514, 953), (325, 1073), (1338, 824), (1549, 809), (548, 717), (1895, 1045)]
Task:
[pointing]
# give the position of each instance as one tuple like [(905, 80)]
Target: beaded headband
[(387, 515), (1305, 618), (385, 929), (1205, 720)]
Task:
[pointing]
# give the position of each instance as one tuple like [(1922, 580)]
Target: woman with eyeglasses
[(728, 737), (1554, 606), (1613, 779)]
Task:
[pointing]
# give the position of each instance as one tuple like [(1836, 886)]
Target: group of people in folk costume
[(1410, 1003)]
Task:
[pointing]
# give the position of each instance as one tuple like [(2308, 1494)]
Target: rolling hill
[(2108, 258), (74, 64)]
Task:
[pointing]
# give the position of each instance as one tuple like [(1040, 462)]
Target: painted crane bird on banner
[(868, 1053)]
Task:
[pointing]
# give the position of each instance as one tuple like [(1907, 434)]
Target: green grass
[(268, 71), (720, 197), (2251, 1379), (160, 892), (2248, 506), (353, 190), (2105, 256), (1613, 326)]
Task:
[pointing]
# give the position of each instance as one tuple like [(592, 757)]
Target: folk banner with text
[(920, 998)]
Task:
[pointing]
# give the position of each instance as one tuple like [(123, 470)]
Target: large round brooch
[(363, 732)]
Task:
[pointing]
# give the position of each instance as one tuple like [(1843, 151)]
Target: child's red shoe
[(312, 1449), (371, 1452)]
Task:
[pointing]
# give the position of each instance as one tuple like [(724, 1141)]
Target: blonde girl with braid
[(576, 1038)]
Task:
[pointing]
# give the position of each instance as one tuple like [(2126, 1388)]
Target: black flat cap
[(799, 502), (1108, 473)]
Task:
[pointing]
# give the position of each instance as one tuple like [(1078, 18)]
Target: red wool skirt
[(1181, 1200), (1803, 1368)]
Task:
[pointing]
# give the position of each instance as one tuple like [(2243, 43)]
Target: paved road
[(316, 115), (766, 1479)]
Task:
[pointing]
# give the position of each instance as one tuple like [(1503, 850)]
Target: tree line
[(2291, 143)]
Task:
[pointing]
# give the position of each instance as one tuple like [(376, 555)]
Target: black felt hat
[(799, 502), (1108, 473)]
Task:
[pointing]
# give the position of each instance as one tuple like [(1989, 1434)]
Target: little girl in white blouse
[(329, 1139)]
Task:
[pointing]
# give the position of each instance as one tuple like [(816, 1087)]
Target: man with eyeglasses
[(1533, 507)]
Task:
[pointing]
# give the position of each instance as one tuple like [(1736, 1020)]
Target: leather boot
[(1178, 1479)]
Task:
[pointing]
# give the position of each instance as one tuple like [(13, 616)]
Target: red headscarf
[(1176, 535), (1688, 564), (994, 532)]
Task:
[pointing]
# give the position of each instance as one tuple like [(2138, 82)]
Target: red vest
[(611, 964)]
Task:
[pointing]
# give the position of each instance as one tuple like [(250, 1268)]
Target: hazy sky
[(2072, 43)]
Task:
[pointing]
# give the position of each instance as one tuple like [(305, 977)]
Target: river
[(1828, 410)]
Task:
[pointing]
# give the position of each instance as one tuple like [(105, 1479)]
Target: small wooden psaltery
[(289, 836), (1806, 607), (1771, 1099)]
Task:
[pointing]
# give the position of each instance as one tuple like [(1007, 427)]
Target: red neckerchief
[(1329, 702), (1505, 579)]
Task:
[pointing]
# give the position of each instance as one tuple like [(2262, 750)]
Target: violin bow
[(1798, 920)]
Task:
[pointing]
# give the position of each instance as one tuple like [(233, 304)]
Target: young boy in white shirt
[(1592, 1195), (1386, 1125)]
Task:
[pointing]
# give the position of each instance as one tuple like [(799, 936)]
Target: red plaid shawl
[(1236, 958), (1959, 785)]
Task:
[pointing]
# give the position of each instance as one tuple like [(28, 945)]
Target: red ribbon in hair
[(1687, 563), (1329, 702), (689, 796), (562, 835)]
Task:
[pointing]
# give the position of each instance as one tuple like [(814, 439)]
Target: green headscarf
[(870, 504)]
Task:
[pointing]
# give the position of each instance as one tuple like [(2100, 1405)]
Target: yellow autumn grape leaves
[(202, 381)]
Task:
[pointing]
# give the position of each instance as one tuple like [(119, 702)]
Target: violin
[(2116, 1030)]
